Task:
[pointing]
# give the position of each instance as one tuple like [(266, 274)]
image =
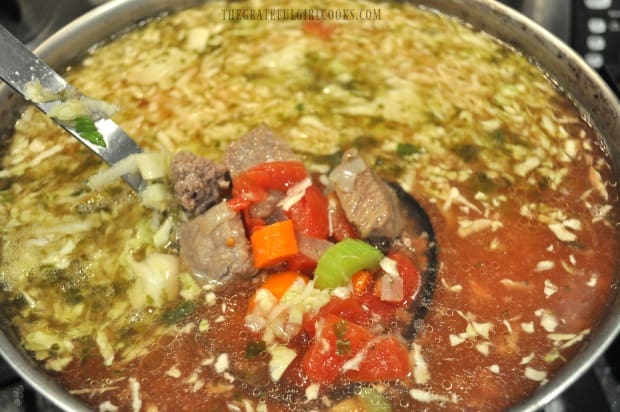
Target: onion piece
[(312, 247), (391, 288), (294, 194), (345, 173), (125, 166)]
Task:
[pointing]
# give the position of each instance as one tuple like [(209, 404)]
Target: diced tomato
[(278, 175), (384, 359), (301, 263), (349, 309), (325, 356), (410, 274), (309, 215), (245, 192), (384, 310), (318, 28), (251, 186)]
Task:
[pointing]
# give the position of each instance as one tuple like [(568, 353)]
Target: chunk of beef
[(259, 145), (214, 246), (368, 202), (198, 182)]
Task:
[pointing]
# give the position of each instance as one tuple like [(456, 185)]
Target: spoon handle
[(19, 66)]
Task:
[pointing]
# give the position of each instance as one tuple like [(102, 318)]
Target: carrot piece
[(273, 243), (278, 283), (360, 281)]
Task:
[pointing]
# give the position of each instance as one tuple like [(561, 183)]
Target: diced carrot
[(278, 283), (273, 243), (360, 281)]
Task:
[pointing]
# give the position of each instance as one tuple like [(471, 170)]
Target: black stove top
[(591, 27)]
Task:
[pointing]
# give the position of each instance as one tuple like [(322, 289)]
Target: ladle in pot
[(19, 67)]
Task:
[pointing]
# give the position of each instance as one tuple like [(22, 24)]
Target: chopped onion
[(125, 166), (295, 193), (156, 196), (152, 165), (391, 288), (311, 246), (157, 280), (344, 175)]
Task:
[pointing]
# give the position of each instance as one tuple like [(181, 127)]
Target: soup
[(518, 188)]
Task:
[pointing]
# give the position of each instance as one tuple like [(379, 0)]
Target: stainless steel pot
[(563, 65)]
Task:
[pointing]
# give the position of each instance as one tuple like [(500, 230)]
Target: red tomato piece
[(245, 192), (348, 309), (410, 274), (325, 356), (384, 310), (318, 28), (301, 263), (309, 215), (278, 175), (385, 359)]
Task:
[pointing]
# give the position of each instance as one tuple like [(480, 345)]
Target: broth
[(517, 185)]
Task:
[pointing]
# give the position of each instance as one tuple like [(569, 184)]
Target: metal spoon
[(19, 66)]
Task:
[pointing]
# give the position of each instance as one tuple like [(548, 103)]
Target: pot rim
[(564, 66)]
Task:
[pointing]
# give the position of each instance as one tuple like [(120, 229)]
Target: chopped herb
[(87, 130), (255, 348), (498, 137), (19, 302), (544, 183), (388, 168), (340, 328), (178, 313), (407, 149), (466, 151), (343, 346), (366, 142), (300, 107), (481, 182)]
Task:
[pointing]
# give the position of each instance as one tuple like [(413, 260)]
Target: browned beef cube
[(214, 247), (368, 202), (198, 182), (259, 145)]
